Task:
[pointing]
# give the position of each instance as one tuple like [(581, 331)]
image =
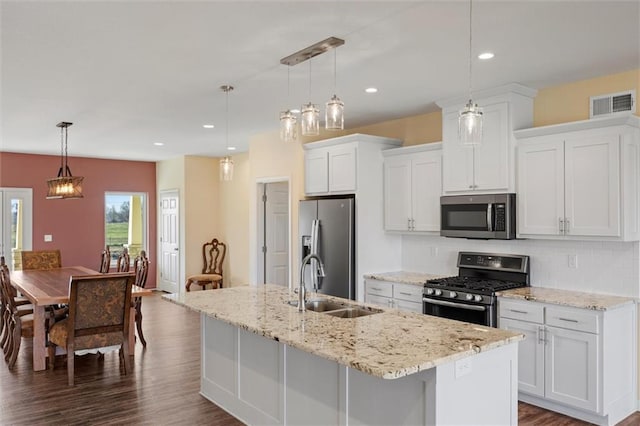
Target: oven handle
[(454, 305)]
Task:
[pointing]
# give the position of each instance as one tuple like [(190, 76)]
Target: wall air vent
[(613, 104)]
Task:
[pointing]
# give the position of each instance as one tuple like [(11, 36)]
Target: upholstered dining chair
[(141, 269), (213, 253), (99, 311), (41, 259), (105, 260), (22, 307), (124, 261)]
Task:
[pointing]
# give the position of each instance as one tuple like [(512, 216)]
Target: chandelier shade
[(288, 126), (310, 120), (334, 114), (226, 163), (64, 185)]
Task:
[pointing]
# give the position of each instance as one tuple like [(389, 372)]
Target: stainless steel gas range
[(471, 295)]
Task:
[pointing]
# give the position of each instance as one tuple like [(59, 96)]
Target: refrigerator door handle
[(315, 227)]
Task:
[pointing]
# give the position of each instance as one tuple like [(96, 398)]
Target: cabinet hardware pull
[(566, 225), (413, 224), (409, 224), (568, 319), (470, 186), (541, 332), (518, 312), (561, 225), (376, 289), (404, 294)]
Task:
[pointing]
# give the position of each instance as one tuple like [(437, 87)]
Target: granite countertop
[(389, 344), (404, 277), (576, 299)]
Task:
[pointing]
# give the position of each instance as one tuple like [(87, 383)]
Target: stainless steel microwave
[(486, 216)]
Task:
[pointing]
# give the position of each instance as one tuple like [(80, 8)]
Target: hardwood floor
[(162, 389)]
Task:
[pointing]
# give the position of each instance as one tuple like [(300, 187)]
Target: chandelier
[(470, 118), (226, 163), (65, 185)]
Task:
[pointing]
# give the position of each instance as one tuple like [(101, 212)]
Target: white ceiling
[(131, 73)]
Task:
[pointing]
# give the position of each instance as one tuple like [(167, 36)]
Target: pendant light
[(334, 110), (470, 118), (226, 163), (288, 121), (65, 185), (310, 115)]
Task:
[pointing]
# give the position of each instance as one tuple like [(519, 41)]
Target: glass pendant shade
[(310, 120), (334, 114), (470, 124), (288, 128), (64, 185), (226, 169)]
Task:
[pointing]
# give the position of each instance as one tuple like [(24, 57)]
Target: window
[(125, 220), (15, 224)]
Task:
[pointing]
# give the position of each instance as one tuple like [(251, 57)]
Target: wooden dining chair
[(41, 259), (105, 260), (19, 322), (213, 253), (141, 269), (124, 261), (99, 312), (22, 306)]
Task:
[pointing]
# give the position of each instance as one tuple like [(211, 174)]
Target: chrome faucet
[(302, 291)]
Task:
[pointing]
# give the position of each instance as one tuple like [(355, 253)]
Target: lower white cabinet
[(407, 297), (571, 359)]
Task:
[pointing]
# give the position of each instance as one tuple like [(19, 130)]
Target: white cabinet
[(570, 361), (488, 167), (579, 183), (412, 188), (407, 297), (331, 170)]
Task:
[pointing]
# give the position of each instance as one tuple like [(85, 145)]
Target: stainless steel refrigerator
[(326, 227)]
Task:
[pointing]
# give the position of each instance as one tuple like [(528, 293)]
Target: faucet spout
[(302, 290)]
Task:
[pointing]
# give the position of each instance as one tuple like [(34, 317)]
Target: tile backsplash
[(592, 266)]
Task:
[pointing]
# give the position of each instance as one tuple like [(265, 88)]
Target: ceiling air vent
[(613, 104)]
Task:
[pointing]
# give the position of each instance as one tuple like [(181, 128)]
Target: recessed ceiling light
[(231, 148), (486, 55), (371, 90), (208, 126), (158, 144)]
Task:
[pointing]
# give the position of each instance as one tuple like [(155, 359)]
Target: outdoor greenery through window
[(125, 216)]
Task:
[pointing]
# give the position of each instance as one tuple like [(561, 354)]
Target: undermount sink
[(336, 309)]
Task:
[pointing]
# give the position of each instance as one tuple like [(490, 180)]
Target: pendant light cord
[(470, 31), (227, 114), (335, 72), (62, 149), (309, 80)]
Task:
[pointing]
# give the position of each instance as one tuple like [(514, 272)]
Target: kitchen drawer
[(408, 292), (379, 288), (524, 311), (378, 300), (573, 320), (409, 306)]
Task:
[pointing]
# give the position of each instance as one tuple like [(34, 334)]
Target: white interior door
[(276, 233), (169, 238), (16, 223)]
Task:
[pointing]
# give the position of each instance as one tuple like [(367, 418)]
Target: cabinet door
[(342, 169), (457, 160), (397, 193), (530, 355), (426, 188), (540, 186), (316, 171), (571, 361), (592, 185), (385, 302), (408, 306), (491, 157)]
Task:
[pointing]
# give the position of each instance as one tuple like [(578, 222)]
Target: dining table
[(45, 287)]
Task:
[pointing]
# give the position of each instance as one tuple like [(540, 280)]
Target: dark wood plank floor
[(163, 388)]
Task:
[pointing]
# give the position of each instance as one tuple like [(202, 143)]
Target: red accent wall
[(77, 225)]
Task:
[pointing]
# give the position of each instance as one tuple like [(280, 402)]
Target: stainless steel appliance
[(471, 295), (486, 216), (327, 228)]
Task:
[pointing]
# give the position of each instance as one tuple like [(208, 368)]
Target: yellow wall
[(570, 102)]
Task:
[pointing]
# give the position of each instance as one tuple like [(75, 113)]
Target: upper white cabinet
[(332, 165), (488, 167), (580, 180), (412, 188)]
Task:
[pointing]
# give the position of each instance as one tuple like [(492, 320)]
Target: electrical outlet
[(48, 238), (462, 367), (573, 261)]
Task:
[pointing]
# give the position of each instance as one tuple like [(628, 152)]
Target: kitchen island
[(267, 363)]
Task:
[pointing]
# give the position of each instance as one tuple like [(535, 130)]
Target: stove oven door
[(467, 312)]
